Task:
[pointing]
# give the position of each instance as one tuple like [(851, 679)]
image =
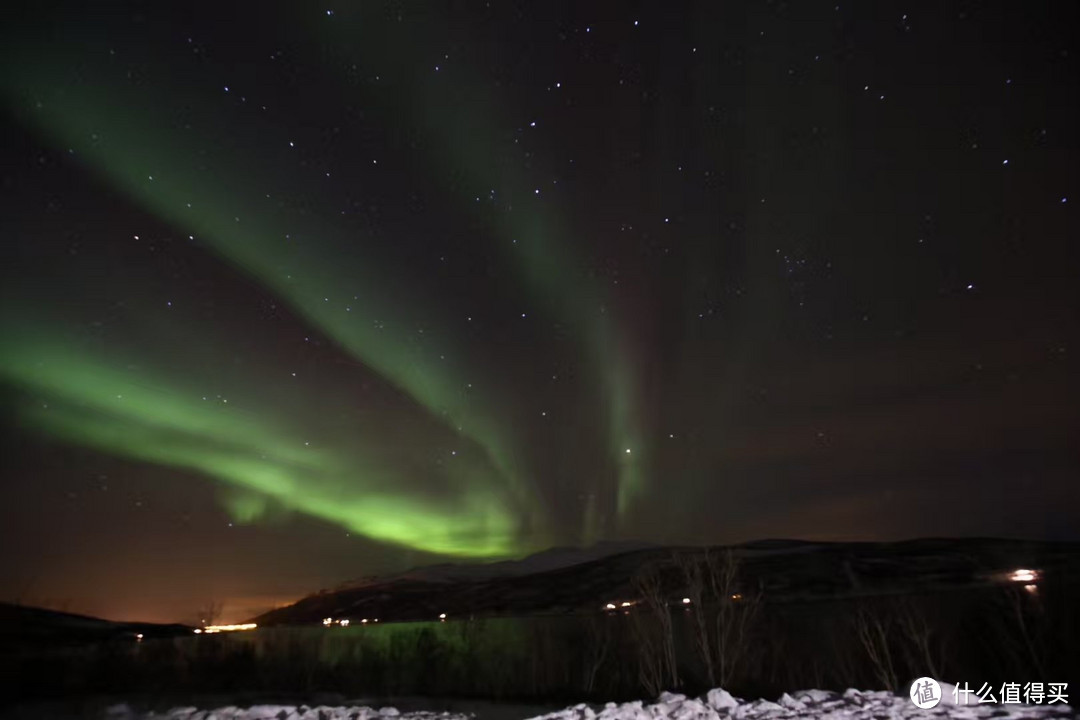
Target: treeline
[(692, 625)]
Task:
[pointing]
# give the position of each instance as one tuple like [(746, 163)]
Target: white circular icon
[(925, 693)]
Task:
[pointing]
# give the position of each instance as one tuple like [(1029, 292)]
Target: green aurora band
[(139, 416), (138, 148)]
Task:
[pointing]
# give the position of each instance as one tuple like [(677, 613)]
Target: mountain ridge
[(783, 570)]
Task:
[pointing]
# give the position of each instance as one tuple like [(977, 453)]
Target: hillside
[(781, 570), (22, 626)]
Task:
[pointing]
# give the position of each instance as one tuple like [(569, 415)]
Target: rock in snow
[(717, 704)]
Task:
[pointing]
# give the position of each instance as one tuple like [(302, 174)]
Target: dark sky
[(298, 293)]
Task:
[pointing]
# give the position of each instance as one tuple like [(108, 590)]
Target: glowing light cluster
[(1023, 575), (209, 629)]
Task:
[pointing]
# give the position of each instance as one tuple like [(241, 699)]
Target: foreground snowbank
[(716, 705), (821, 704)]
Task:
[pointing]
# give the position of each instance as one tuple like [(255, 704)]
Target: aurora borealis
[(363, 286)]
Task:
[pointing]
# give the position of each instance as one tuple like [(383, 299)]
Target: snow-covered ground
[(716, 705), (851, 705)]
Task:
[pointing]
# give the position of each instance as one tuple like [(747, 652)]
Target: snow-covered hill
[(546, 561)]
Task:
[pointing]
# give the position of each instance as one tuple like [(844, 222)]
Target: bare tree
[(734, 615), (874, 630), (209, 613), (1021, 629), (723, 614), (597, 648), (923, 646), (651, 623), (694, 586)]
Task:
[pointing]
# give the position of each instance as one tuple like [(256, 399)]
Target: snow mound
[(717, 704)]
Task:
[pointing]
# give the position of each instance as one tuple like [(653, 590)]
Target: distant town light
[(626, 604), (198, 631), (138, 636), (328, 621), (1023, 575), (686, 601), (442, 616), (343, 623), (229, 628), (609, 606), (1032, 588)]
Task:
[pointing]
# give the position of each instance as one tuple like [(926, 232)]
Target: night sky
[(301, 293)]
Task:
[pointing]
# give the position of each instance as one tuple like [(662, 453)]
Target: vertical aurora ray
[(466, 121), (556, 276)]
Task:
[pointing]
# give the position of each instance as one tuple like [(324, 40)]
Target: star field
[(298, 294)]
